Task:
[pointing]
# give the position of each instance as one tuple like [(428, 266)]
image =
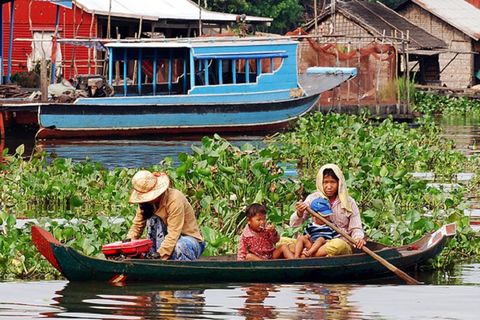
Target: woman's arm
[(138, 225), (301, 214), (355, 227)]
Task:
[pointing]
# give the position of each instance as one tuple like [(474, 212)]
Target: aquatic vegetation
[(220, 180), (430, 104), (378, 159)]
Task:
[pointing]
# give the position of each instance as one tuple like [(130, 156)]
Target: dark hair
[(255, 208), (329, 172), (147, 210)]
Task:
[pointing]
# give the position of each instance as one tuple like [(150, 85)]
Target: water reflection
[(255, 307), (138, 301), (131, 153), (464, 130), (224, 301), (63, 300)]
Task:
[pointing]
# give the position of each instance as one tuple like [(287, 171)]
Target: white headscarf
[(342, 186)]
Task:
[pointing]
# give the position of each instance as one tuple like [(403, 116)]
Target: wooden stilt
[(2, 126)]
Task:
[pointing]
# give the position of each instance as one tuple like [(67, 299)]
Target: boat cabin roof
[(200, 42)]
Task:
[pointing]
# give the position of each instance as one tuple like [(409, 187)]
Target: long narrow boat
[(76, 266), (201, 85)]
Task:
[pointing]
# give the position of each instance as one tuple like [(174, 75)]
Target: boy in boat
[(257, 241), (317, 233)]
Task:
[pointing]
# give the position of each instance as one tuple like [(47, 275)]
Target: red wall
[(43, 17), (476, 3)]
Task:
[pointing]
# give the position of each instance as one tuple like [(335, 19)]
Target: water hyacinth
[(220, 180)]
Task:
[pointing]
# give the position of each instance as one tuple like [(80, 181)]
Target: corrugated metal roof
[(458, 13), (159, 10)]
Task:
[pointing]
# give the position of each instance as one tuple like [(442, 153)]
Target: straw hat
[(148, 186)]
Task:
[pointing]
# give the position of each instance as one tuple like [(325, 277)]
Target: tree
[(285, 13)]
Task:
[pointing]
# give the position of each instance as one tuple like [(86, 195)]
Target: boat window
[(242, 67), (207, 72), (246, 71), (271, 65)]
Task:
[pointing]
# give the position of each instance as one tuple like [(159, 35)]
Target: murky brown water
[(452, 296)]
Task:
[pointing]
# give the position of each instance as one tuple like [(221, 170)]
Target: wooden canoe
[(76, 266)]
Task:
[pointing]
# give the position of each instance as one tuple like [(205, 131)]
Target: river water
[(453, 295)]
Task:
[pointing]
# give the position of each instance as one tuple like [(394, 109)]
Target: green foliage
[(26, 79), (285, 13), (435, 104), (378, 159), (221, 179)]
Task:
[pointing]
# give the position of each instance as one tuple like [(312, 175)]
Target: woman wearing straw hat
[(169, 218)]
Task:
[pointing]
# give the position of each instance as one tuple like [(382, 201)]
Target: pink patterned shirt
[(262, 246)]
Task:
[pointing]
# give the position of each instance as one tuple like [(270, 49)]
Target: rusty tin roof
[(457, 13)]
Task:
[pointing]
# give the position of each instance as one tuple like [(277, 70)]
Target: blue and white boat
[(201, 85)]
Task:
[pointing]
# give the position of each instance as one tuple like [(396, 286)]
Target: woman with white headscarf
[(331, 186)]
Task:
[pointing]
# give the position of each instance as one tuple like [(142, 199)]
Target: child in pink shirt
[(257, 241)]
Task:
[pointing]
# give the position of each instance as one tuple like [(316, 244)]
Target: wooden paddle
[(387, 264)]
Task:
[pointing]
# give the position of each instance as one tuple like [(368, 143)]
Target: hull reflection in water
[(223, 301), (446, 296)]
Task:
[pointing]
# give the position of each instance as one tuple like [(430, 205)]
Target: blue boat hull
[(87, 120)]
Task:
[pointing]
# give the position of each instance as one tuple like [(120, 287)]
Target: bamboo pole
[(117, 63), (379, 66), (89, 49), (109, 18), (136, 61), (408, 71), (43, 79), (359, 52), (396, 71)]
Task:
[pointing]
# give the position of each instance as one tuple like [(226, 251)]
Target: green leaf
[(20, 150), (76, 201), (182, 157), (258, 197), (377, 161), (384, 171), (198, 150), (449, 203)]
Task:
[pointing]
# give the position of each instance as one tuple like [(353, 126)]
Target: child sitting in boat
[(317, 233), (257, 241)]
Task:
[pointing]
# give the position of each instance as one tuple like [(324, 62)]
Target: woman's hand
[(301, 207), (359, 243)]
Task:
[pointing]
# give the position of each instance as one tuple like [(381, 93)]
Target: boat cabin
[(201, 66)]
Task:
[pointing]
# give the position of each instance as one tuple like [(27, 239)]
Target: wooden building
[(457, 22), (376, 40)]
